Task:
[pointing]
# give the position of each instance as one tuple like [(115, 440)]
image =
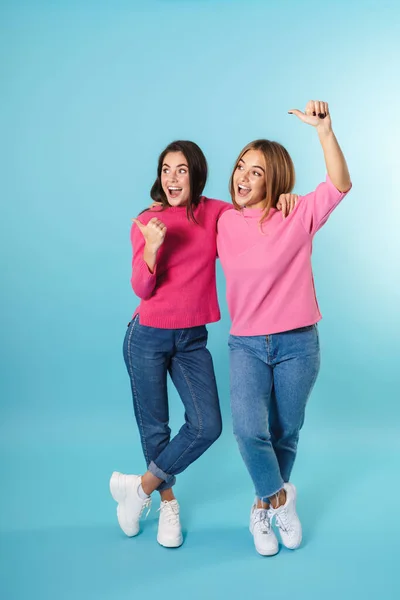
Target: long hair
[(279, 174), (197, 175)]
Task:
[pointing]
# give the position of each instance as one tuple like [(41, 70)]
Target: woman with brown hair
[(274, 347), (167, 335)]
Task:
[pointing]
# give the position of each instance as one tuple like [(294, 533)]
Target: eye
[(257, 173), (165, 170), (240, 167), (182, 171)]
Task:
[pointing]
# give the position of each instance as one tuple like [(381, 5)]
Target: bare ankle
[(150, 483), (262, 503), (167, 495), (278, 499)]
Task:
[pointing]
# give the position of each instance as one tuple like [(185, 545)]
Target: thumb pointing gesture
[(153, 233), (316, 114), (298, 113), (140, 225)]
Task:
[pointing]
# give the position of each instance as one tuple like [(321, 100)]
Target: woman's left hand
[(286, 204), (315, 114)]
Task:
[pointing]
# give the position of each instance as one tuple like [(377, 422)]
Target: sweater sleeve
[(222, 208), (143, 281), (315, 208)]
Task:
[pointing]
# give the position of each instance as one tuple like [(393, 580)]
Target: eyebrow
[(182, 165), (254, 166)]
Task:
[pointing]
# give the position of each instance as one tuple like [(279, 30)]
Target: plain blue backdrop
[(91, 93)]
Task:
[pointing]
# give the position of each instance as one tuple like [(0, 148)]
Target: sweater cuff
[(333, 187), (145, 271)]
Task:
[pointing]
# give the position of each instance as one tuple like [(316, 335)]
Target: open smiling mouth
[(174, 191), (243, 191)]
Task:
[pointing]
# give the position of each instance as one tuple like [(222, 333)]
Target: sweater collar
[(256, 213)]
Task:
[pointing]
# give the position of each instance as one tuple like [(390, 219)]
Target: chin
[(176, 203), (243, 202)]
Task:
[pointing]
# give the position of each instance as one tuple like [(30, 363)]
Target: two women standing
[(274, 349)]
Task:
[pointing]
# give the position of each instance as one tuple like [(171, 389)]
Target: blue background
[(91, 93)]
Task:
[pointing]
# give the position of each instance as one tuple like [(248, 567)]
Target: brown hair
[(279, 174)]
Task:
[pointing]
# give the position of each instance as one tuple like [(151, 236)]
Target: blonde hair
[(279, 174)]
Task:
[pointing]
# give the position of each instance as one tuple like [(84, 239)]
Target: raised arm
[(317, 115)]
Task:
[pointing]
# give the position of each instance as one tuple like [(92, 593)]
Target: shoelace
[(282, 521), (170, 510), (146, 504), (261, 518)]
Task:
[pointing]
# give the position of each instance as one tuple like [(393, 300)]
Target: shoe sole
[(118, 492), (263, 553), (175, 544)]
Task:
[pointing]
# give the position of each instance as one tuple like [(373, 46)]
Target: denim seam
[(180, 337), (134, 390), (197, 413), (317, 333), (267, 347)]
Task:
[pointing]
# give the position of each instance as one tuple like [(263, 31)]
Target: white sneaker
[(287, 520), (169, 526), (124, 490), (260, 527)]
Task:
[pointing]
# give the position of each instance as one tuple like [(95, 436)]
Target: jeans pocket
[(197, 336), (231, 341), (133, 321), (236, 342)]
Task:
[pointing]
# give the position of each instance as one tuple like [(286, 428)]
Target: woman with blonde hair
[(274, 346)]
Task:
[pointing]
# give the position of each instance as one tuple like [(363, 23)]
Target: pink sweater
[(270, 285), (182, 290)]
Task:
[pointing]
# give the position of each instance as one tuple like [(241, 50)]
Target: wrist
[(325, 131), (151, 249)]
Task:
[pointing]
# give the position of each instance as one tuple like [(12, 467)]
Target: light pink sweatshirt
[(269, 279)]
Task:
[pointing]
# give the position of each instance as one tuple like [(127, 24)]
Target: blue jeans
[(150, 354), (271, 379)]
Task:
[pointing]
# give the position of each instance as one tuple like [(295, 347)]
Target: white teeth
[(175, 189), (242, 187)]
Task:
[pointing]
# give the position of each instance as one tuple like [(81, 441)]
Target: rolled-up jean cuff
[(168, 479), (166, 485)]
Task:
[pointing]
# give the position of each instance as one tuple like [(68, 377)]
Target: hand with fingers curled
[(316, 114), (287, 203), (154, 233)]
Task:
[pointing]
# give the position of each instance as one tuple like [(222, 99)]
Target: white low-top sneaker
[(169, 525), (260, 527), (124, 490), (287, 520)]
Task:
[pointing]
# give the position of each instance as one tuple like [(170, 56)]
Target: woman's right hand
[(154, 233)]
